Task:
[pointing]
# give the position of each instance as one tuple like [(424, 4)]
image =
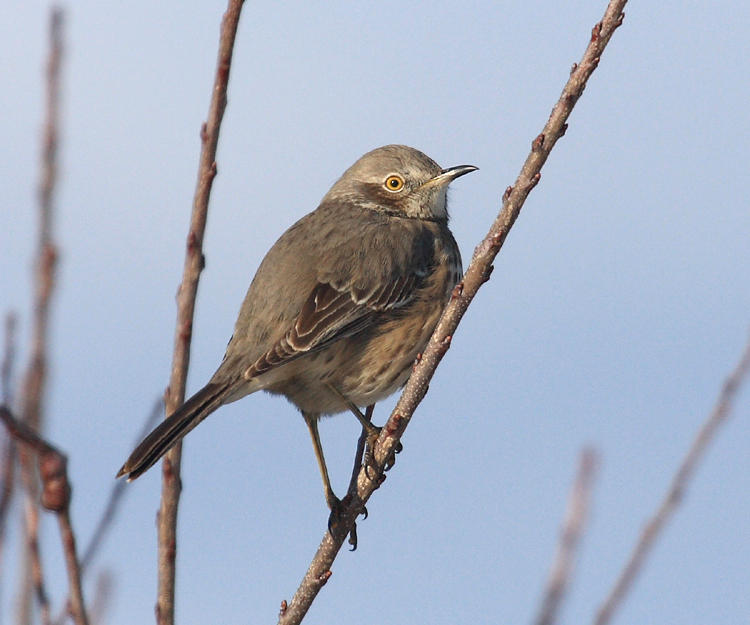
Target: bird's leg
[(359, 454), (312, 425), (334, 503), (372, 432)]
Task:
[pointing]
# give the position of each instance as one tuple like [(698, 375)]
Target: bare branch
[(77, 606), (194, 262), (102, 598), (53, 471), (9, 358), (32, 395), (116, 495), (8, 459), (477, 273), (570, 534), (674, 495), (25, 434), (108, 515)]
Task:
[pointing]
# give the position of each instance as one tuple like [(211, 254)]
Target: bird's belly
[(362, 369)]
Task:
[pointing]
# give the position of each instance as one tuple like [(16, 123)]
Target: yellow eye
[(394, 183)]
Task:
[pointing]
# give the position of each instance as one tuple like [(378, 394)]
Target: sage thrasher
[(341, 305)]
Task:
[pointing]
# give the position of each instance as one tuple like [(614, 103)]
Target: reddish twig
[(194, 262), (477, 273), (675, 494), (108, 515), (53, 472), (570, 535), (8, 459), (32, 396)]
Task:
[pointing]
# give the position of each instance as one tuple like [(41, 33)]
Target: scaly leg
[(312, 425)]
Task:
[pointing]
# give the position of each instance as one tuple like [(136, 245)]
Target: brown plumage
[(342, 303)]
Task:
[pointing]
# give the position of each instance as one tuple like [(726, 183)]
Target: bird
[(341, 305)]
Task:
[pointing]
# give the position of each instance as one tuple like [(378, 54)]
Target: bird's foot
[(368, 458), (337, 521)]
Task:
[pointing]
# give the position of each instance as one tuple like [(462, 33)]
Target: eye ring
[(394, 183)]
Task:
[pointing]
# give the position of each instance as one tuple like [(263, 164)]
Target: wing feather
[(330, 313)]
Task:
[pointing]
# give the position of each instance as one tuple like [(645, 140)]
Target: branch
[(477, 273), (53, 471), (108, 515), (31, 400), (8, 459), (674, 495), (194, 261), (9, 358), (570, 534), (115, 495)]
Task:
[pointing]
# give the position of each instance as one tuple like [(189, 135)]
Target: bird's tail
[(173, 428)]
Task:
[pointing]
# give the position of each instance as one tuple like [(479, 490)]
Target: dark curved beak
[(451, 173)]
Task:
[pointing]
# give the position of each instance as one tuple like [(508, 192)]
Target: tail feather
[(173, 428)]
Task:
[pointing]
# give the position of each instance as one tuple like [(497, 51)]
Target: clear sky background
[(617, 306)]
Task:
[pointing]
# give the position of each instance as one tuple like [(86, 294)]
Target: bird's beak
[(445, 177)]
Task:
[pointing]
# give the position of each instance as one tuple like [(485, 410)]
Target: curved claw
[(392, 460), (353, 537)]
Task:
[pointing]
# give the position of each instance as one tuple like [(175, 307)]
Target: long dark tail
[(173, 428)]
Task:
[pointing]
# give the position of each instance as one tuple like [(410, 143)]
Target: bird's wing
[(334, 311)]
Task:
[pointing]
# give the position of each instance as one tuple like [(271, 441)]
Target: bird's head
[(399, 180)]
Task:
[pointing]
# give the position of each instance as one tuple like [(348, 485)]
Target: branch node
[(508, 191), (573, 68), (282, 609), (393, 424), (595, 32), (186, 331), (55, 486), (538, 143), (534, 181), (193, 244), (324, 577), (204, 132), (458, 290)]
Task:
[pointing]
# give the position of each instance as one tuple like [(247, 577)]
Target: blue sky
[(618, 304)]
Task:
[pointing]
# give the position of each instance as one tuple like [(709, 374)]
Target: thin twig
[(8, 460), (676, 492), (9, 358), (570, 535), (116, 494), (77, 606), (477, 273), (23, 433), (108, 515), (33, 389), (53, 471), (102, 597), (194, 262)]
